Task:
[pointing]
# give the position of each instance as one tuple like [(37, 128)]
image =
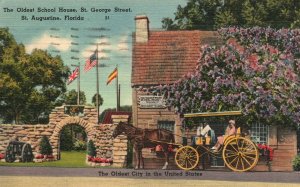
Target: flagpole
[(119, 100), (97, 78), (78, 85), (117, 88)]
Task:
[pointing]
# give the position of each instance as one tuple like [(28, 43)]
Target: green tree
[(70, 98), (255, 14), (213, 14), (197, 14), (66, 139), (100, 99), (45, 147), (29, 83)]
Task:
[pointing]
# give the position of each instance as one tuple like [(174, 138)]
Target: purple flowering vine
[(256, 71)]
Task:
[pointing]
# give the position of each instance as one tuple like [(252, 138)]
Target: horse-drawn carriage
[(238, 152)]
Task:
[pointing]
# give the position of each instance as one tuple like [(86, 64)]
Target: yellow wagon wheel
[(240, 154), (187, 158)]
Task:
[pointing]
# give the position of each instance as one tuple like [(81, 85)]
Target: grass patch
[(72, 159)]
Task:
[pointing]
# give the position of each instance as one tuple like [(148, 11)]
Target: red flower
[(39, 156), (102, 160), (2, 156), (253, 60), (266, 151), (50, 156)]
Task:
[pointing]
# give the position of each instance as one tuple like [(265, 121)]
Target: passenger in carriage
[(230, 130), (203, 129)]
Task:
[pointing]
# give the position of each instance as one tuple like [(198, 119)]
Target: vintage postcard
[(138, 92)]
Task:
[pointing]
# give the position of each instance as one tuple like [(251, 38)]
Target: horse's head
[(121, 127)]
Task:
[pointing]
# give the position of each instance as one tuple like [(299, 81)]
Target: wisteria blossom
[(256, 71)]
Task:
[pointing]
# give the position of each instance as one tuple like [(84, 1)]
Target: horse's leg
[(140, 153), (166, 153), (142, 158)]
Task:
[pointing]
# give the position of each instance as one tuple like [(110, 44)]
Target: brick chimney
[(141, 29)]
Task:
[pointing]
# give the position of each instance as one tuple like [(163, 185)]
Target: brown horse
[(145, 138)]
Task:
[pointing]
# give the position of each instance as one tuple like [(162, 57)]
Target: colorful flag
[(112, 76), (73, 75), (91, 62)]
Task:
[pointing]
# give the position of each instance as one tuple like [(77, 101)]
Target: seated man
[(203, 131), (230, 130)]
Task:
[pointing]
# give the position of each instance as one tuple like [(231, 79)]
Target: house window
[(259, 133), (168, 125)]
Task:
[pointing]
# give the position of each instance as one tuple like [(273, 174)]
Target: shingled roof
[(168, 55)]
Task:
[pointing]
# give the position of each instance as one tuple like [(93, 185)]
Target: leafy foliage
[(296, 163), (70, 98), (255, 71), (68, 141), (214, 14), (29, 83), (91, 149), (80, 145), (45, 147), (100, 100)]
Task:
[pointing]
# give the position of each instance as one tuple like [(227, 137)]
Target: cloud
[(45, 41), (103, 47), (123, 44)]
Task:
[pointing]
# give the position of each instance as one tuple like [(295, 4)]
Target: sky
[(75, 40)]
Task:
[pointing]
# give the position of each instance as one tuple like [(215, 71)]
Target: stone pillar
[(120, 143), (120, 151)]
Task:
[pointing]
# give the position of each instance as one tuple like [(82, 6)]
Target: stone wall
[(31, 134), (101, 134)]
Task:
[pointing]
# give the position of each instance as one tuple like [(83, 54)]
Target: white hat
[(232, 121)]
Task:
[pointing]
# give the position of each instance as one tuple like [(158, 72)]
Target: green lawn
[(68, 159)]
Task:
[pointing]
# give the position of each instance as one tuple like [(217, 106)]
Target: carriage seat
[(236, 135)]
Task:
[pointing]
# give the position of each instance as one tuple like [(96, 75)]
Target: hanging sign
[(148, 101)]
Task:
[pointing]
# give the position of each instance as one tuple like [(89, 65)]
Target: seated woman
[(230, 130)]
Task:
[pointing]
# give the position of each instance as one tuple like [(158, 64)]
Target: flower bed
[(97, 161), (43, 158)]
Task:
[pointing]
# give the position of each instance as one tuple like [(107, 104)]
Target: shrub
[(45, 147), (296, 163), (66, 140), (91, 149), (79, 145)]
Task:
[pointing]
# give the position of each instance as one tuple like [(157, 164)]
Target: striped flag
[(112, 76), (73, 75), (91, 62)]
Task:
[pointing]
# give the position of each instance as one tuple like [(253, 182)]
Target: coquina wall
[(101, 134)]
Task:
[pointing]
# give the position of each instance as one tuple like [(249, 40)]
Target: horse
[(145, 138)]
